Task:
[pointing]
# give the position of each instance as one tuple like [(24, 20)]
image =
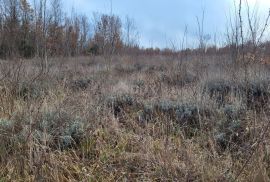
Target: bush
[(80, 84), (257, 95), (231, 129), (178, 112), (139, 85), (121, 103), (218, 89), (94, 49), (178, 79), (128, 69), (4, 51), (6, 125), (26, 49), (62, 128), (230, 135), (138, 66), (146, 114), (153, 68), (187, 116), (232, 112), (184, 115), (8, 137), (26, 90)]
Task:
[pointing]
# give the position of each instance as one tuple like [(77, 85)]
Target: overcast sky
[(161, 22)]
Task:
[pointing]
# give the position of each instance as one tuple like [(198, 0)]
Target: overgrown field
[(135, 118)]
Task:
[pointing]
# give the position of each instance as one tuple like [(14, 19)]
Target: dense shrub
[(231, 129), (80, 84), (139, 85), (233, 112), (187, 116), (9, 137), (184, 115), (54, 129), (146, 114), (218, 90), (93, 49), (121, 104), (6, 127), (27, 90), (231, 134), (26, 49), (4, 51), (128, 69), (155, 68), (257, 94), (178, 79), (65, 130), (139, 66)]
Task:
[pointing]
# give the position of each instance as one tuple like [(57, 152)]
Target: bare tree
[(55, 28), (84, 26), (108, 34), (202, 37), (131, 33), (245, 46)]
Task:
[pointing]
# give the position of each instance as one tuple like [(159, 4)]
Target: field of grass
[(134, 118)]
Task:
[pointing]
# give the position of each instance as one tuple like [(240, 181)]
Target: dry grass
[(137, 118)]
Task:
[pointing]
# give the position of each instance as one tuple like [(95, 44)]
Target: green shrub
[(61, 127)]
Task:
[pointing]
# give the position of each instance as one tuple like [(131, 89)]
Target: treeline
[(41, 28)]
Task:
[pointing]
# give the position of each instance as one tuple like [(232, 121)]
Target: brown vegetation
[(101, 108), (81, 121)]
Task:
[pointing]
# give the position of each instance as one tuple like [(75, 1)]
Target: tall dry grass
[(143, 118)]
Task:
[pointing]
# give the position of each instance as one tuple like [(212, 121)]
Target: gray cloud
[(163, 21)]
